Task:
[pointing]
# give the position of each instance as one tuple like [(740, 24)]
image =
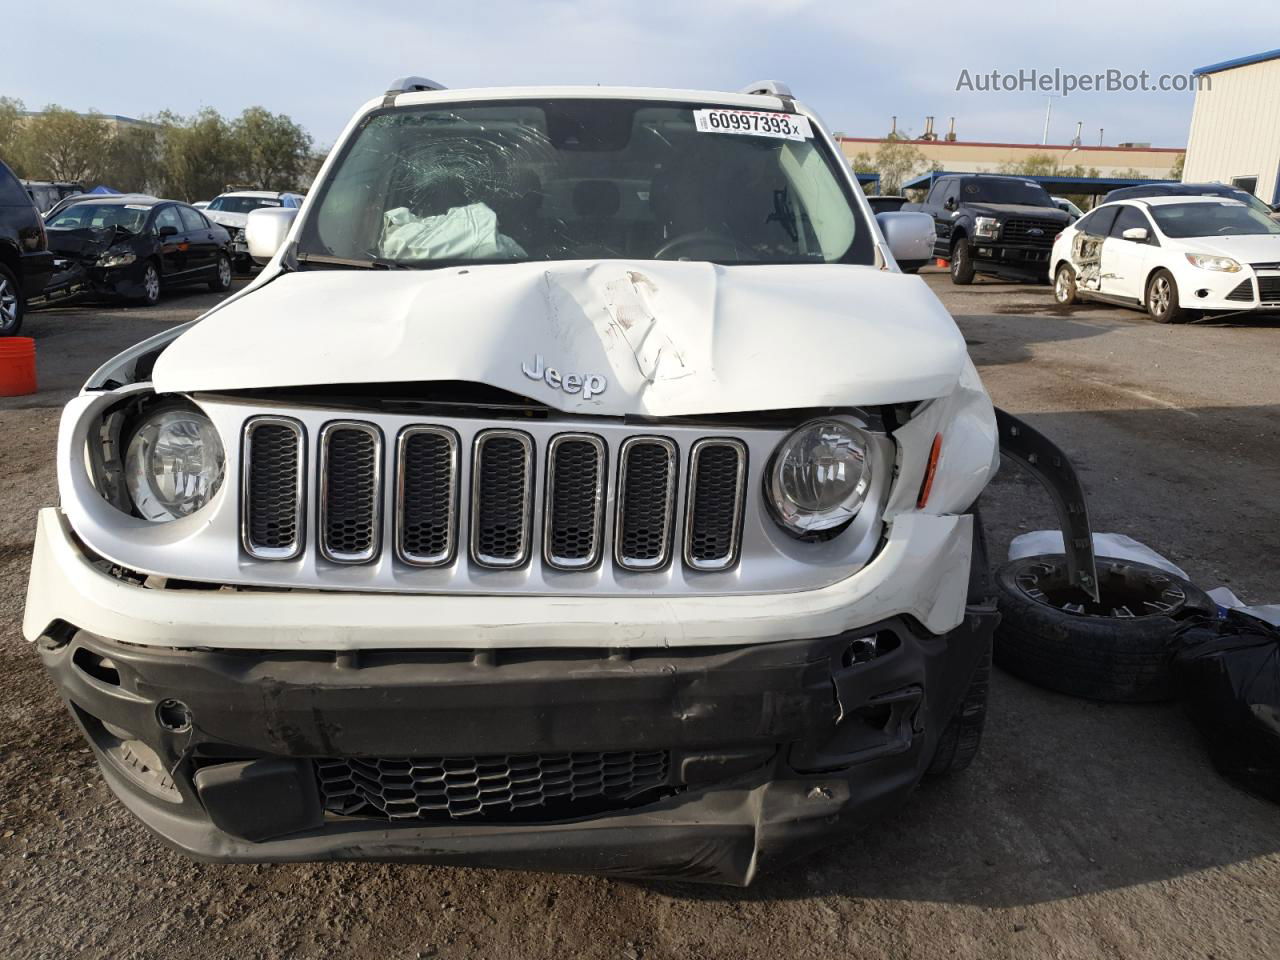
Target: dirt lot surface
[(1082, 830)]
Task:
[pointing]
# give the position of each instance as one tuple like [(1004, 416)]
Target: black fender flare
[(1037, 454)]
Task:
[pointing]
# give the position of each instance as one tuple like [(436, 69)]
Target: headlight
[(819, 477), (174, 464), (1209, 261), (986, 226), (117, 257)]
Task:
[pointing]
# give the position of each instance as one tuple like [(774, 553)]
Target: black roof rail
[(409, 85), (772, 88)]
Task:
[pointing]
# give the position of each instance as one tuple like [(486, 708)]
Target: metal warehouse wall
[(1235, 129)]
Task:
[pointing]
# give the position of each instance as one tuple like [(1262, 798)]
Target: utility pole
[(1048, 112)]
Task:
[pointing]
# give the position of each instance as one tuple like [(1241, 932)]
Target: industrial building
[(1235, 126), (968, 156)]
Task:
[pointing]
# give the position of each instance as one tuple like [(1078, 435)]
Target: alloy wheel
[(1161, 294), (8, 305), (151, 284)]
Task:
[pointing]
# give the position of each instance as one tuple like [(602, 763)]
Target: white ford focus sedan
[(1174, 257)]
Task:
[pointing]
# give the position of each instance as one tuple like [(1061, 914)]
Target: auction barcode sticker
[(756, 123)]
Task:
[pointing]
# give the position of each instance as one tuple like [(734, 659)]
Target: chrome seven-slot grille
[(427, 502)]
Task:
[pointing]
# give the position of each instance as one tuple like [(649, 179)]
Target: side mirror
[(949, 203), (167, 231), (1136, 234), (910, 237), (266, 230)]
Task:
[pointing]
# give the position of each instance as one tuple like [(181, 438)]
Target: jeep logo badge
[(587, 384)]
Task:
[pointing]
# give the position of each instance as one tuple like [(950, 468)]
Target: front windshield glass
[(241, 204), (585, 179), (100, 216), (1229, 217), (1028, 193)]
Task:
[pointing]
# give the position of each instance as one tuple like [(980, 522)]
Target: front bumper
[(770, 750), (1009, 260)]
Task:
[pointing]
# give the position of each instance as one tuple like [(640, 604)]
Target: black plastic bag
[(1229, 674)]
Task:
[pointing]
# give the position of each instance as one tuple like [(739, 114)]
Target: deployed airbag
[(464, 233)]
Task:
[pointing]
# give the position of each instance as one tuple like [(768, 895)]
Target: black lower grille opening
[(523, 788), (1242, 292), (1269, 289)]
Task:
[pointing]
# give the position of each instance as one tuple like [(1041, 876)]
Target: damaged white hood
[(610, 338)]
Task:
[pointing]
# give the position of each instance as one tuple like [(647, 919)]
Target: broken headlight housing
[(174, 462), (119, 256), (819, 478)]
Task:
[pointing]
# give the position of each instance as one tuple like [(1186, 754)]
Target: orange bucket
[(17, 366)]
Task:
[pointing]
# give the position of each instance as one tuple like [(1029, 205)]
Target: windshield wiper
[(352, 263)]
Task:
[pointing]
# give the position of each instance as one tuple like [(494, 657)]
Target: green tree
[(134, 160), (199, 155), (275, 151), (1175, 172), (896, 160), (11, 122), (60, 144)]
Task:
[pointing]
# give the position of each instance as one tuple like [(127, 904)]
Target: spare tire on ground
[(1119, 649)]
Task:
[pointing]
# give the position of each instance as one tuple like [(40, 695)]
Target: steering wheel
[(701, 240)]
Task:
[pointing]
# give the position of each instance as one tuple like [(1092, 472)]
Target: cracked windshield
[(584, 179)]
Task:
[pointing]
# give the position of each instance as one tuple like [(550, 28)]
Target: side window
[(168, 217), (953, 193), (1099, 222), (11, 191), (936, 193), (1129, 217), (191, 219)]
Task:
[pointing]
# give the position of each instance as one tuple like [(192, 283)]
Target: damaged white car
[(581, 486), (1173, 256)]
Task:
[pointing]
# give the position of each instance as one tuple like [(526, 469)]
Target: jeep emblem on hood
[(587, 384)]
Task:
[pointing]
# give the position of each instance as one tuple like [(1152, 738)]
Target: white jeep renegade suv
[(580, 486)]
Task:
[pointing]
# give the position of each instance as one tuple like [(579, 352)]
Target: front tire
[(150, 285), (1162, 298), (221, 281), (1064, 285), (12, 304), (961, 263), (1119, 649)]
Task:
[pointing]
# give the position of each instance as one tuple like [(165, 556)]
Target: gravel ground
[(1083, 830)]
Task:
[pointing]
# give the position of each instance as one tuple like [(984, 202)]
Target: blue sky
[(856, 63)]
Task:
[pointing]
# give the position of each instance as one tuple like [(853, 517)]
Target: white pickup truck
[(580, 486)]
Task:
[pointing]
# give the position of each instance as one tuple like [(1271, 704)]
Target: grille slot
[(574, 517), (647, 471), (713, 517), (426, 496), (501, 498), (1243, 292), (350, 492), (1269, 289), (526, 786), (272, 508), (1021, 230)]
